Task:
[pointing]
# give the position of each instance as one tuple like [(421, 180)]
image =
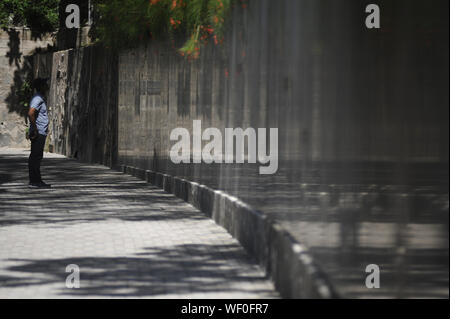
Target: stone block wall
[(362, 116), (82, 103), (16, 47)]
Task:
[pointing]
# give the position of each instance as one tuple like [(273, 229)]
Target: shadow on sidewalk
[(80, 193), (180, 270)]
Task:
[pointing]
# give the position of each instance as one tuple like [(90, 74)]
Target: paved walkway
[(128, 238)]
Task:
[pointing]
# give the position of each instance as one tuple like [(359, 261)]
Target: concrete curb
[(286, 261)]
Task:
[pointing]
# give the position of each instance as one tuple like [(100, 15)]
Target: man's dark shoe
[(44, 185), (33, 185)]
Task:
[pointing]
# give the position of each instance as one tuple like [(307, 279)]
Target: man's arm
[(32, 115)]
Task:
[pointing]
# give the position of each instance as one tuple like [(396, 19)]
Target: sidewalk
[(128, 238)]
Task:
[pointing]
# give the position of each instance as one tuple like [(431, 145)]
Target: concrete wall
[(82, 102), (341, 91), (363, 130), (16, 45), (362, 117)]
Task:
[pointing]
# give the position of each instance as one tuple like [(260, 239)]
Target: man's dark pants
[(36, 155)]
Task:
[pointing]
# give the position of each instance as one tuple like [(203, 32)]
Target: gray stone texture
[(363, 134), (288, 263), (128, 238), (82, 103), (16, 45), (362, 117)]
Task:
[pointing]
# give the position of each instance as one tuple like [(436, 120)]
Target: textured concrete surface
[(288, 263), (362, 118), (294, 251), (83, 103), (15, 45), (128, 238)]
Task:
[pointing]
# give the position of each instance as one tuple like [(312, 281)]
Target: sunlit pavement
[(128, 239)]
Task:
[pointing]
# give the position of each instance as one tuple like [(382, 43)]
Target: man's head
[(41, 85)]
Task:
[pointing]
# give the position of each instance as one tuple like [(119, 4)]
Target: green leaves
[(24, 94), (41, 16), (11, 13), (127, 23)]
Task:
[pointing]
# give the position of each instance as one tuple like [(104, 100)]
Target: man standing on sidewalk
[(38, 132)]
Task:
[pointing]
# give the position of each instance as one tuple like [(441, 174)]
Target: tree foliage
[(125, 23), (41, 16)]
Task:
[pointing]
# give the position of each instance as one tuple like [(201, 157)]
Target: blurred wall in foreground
[(362, 117)]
